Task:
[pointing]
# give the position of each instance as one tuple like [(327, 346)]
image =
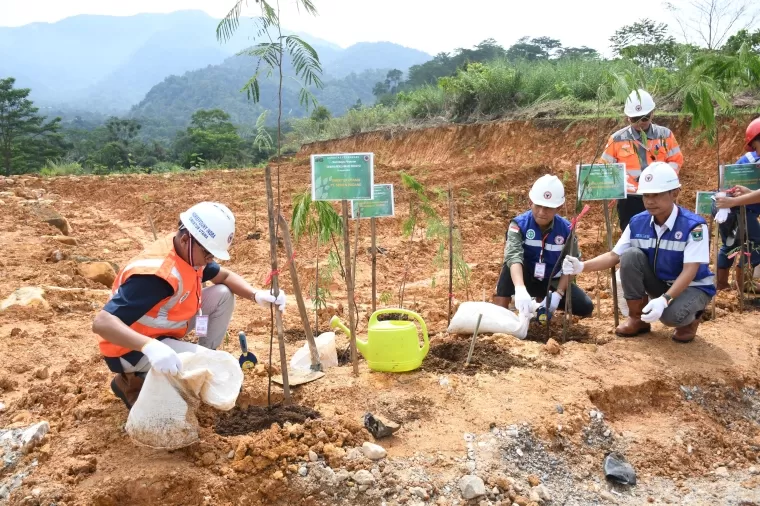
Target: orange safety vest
[(171, 315), (623, 147)]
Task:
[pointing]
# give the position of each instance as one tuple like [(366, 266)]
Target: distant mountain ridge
[(108, 63)]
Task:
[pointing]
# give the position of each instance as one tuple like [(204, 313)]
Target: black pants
[(629, 208), (581, 302)]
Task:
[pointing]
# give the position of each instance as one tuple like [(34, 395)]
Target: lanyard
[(199, 282), (543, 245)]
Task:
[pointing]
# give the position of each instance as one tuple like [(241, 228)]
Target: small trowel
[(247, 359)]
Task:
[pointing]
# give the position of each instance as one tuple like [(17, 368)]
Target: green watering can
[(391, 345)]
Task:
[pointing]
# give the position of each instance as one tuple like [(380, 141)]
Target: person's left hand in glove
[(653, 311), (554, 299), (264, 298)]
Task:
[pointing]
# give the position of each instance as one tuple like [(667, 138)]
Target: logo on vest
[(648, 178), (559, 240), (678, 234), (548, 195), (184, 297), (531, 234)]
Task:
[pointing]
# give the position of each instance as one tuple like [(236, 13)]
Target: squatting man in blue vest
[(664, 253), (534, 245)]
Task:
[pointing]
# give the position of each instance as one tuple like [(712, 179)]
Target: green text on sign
[(381, 205), (601, 181), (743, 174), (704, 202), (342, 177)]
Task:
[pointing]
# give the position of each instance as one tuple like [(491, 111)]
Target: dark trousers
[(629, 208), (639, 280), (581, 303), (753, 240)]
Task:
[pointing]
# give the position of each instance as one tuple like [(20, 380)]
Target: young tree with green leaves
[(271, 61), (27, 140)]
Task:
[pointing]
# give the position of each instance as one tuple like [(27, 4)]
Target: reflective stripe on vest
[(666, 258), (532, 250), (170, 316)]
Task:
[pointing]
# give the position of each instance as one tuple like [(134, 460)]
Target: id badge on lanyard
[(201, 321), (539, 271)]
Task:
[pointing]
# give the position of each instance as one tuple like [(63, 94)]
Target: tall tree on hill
[(645, 42), (26, 139)]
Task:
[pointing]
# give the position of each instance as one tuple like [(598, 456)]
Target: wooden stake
[(373, 232), (608, 225), (350, 287), (276, 285), (714, 232), (472, 343), (353, 268), (315, 364), (152, 227), (742, 262), (451, 257), (568, 316)]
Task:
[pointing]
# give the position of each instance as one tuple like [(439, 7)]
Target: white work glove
[(264, 298), (653, 310), (522, 300), (553, 302), (161, 357), (571, 266)]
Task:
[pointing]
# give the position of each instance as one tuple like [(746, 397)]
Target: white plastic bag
[(164, 414), (328, 354), (496, 320)]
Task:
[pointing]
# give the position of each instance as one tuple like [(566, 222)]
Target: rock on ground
[(25, 296), (100, 272), (373, 451), (471, 487), (364, 477)]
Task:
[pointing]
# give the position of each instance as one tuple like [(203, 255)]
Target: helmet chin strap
[(190, 251)]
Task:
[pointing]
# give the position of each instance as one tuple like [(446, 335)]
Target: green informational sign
[(601, 181), (342, 177), (704, 202), (381, 205), (744, 174)]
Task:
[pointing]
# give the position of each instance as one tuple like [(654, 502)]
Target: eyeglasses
[(639, 119)]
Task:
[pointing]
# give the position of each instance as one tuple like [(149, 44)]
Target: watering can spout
[(335, 323)]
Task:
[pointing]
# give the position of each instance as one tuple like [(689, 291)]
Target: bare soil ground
[(687, 417)]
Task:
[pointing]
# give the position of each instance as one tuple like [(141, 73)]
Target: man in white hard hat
[(535, 243), (637, 145), (664, 254), (158, 297)]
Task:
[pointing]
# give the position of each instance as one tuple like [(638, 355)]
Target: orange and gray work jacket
[(171, 315), (627, 146)]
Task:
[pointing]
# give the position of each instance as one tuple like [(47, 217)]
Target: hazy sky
[(430, 25)]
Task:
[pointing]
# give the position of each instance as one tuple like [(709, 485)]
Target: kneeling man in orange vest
[(158, 297)]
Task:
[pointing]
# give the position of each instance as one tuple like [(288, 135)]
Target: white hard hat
[(657, 178), (548, 191), (211, 224), (638, 103)]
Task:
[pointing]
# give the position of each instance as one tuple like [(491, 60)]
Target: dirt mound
[(450, 357), (255, 418)]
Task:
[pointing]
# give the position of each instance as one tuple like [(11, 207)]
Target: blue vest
[(751, 157), (553, 243), (666, 254)]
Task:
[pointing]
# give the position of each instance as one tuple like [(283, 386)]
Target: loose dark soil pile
[(450, 357), (256, 418)]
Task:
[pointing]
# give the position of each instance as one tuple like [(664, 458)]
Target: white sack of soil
[(496, 320), (328, 353), (164, 415)]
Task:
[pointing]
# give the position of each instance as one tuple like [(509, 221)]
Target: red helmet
[(753, 130)]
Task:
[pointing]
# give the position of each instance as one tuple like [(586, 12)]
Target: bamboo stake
[(373, 231), (276, 286), (742, 262), (350, 287), (315, 363), (152, 227), (714, 232), (353, 268), (451, 255), (472, 343), (608, 225)]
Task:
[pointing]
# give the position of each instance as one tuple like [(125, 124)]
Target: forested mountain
[(108, 64)]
